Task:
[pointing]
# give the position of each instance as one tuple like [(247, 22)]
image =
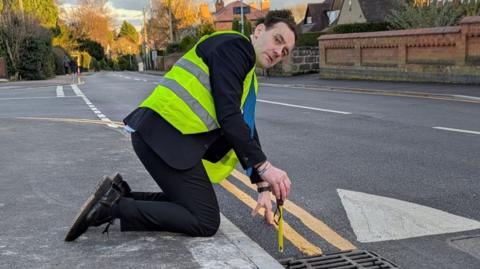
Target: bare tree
[(92, 20), (13, 32), (176, 16)]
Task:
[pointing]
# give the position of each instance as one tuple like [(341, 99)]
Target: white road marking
[(77, 90), (457, 130), (375, 218), (137, 79), (145, 80), (96, 111), (28, 98), (468, 97), (305, 107), (60, 92)]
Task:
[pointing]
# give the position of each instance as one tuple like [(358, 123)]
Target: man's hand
[(264, 201), (278, 180)]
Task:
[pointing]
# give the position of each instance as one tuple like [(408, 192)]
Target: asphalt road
[(402, 149)]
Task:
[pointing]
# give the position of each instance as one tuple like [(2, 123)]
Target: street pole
[(170, 19), (144, 45), (130, 57), (241, 16)]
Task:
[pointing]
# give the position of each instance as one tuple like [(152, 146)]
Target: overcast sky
[(131, 10)]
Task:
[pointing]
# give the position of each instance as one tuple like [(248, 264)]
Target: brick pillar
[(322, 54), (468, 25), (402, 52), (461, 46), (358, 54)]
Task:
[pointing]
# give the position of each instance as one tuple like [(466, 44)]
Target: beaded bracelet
[(262, 171)]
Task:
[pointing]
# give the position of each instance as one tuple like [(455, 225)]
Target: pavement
[(56, 81)]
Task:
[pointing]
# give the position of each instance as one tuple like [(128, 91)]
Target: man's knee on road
[(210, 227)]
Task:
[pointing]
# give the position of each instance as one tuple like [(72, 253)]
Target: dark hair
[(282, 15)]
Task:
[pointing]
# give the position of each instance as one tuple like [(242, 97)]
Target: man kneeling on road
[(192, 131)]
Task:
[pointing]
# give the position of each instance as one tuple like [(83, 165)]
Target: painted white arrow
[(375, 218)]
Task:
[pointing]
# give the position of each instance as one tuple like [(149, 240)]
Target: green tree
[(45, 11), (93, 48), (247, 29), (37, 60), (63, 37), (407, 16), (127, 30), (205, 29)]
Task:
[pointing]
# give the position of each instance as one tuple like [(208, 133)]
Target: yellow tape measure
[(280, 225)]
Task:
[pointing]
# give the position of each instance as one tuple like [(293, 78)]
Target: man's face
[(272, 45)]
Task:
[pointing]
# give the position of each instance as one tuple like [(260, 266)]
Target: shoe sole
[(102, 187)]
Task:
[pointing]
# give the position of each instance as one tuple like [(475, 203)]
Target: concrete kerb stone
[(247, 246)]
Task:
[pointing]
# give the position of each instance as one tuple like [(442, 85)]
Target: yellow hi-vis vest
[(184, 99)]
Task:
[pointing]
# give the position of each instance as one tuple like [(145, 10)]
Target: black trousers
[(187, 204)]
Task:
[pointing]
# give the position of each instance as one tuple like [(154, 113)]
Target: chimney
[(219, 4)]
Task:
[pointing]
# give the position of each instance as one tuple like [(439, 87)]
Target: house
[(362, 11), (316, 18), (225, 15)]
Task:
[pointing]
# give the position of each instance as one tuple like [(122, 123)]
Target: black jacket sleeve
[(230, 58)]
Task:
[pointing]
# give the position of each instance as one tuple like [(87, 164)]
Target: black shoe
[(96, 210), (121, 185)]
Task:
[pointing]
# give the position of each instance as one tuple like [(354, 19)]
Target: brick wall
[(303, 60), (3, 68), (441, 54), (223, 26)]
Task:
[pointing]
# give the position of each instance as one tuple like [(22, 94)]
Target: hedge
[(359, 27), (124, 62), (37, 60), (60, 55), (308, 39)]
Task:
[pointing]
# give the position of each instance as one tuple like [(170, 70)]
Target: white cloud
[(135, 17)]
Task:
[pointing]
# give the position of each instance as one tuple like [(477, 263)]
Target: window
[(238, 10), (309, 20), (332, 16)]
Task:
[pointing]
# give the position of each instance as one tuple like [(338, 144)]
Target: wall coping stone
[(470, 19), (408, 32)]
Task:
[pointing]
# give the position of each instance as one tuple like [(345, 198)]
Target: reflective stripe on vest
[(184, 99)]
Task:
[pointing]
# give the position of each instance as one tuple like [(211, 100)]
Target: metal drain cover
[(354, 259)]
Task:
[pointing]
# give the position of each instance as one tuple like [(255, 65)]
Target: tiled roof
[(376, 10), (319, 17), (226, 13)]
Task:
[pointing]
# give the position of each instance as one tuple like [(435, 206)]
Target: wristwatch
[(262, 189)]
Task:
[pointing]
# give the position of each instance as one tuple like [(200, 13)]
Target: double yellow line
[(315, 225)]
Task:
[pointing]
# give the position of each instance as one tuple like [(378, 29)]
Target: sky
[(131, 10)]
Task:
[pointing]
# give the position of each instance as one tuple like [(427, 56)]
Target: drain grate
[(354, 259)]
